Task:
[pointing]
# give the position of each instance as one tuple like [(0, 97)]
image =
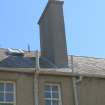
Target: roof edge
[(52, 72)]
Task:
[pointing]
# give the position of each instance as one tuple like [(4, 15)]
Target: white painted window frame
[(59, 93), (14, 92)]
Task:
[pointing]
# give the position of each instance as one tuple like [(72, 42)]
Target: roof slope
[(82, 65), (26, 61), (88, 65)]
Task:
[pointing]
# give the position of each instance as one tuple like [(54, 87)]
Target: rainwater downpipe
[(75, 84), (35, 81)]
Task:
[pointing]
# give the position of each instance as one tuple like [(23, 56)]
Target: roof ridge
[(86, 57)]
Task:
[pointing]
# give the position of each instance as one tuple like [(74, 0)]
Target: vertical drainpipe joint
[(79, 79)]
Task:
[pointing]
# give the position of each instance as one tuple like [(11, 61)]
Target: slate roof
[(88, 65), (26, 61), (82, 65)]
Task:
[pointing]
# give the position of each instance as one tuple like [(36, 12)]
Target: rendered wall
[(92, 91), (24, 86), (66, 88)]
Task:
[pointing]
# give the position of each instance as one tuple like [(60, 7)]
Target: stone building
[(51, 77)]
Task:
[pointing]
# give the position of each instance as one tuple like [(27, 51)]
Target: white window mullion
[(52, 92), (4, 92), (60, 100), (14, 87), (51, 95), (7, 92)]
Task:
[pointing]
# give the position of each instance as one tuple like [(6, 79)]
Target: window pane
[(47, 95), (54, 88), (55, 95), (55, 102), (47, 88), (1, 87), (9, 87), (1, 96), (47, 102), (51, 93), (9, 97)]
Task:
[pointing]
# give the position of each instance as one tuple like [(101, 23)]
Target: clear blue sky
[(84, 21)]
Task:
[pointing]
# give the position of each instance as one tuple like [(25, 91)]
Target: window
[(52, 94), (7, 93)]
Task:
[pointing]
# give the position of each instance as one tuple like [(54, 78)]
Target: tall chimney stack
[(52, 34)]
